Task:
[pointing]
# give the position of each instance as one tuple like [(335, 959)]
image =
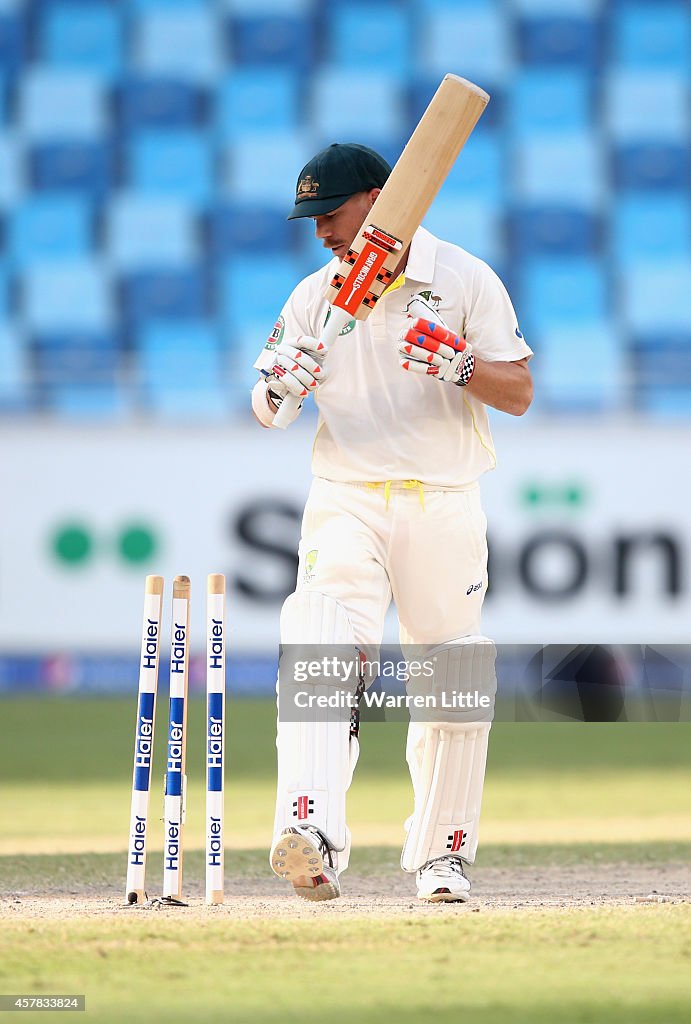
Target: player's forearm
[(505, 386)]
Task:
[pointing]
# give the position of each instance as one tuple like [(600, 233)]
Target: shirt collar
[(422, 257)]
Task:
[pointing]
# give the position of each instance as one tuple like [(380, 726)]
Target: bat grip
[(333, 327), (286, 411)]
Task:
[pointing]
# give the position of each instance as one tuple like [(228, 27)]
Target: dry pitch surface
[(381, 892)]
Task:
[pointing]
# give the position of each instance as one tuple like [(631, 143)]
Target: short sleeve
[(491, 325)]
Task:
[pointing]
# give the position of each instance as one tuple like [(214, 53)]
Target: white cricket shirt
[(378, 422)]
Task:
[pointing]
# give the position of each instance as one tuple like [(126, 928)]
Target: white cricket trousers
[(365, 545)]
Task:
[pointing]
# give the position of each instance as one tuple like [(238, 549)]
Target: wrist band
[(467, 371), (261, 408)]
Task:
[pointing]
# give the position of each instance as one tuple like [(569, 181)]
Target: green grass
[(66, 769), (63, 739), (607, 965), (556, 794)]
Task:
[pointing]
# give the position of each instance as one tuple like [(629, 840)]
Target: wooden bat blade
[(399, 209)]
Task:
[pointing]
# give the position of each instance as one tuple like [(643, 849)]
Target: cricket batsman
[(394, 513)]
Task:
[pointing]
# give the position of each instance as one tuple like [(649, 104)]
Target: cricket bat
[(367, 268)]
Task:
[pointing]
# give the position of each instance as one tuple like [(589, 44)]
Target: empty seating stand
[(149, 151)]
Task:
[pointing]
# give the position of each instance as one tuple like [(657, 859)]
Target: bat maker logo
[(364, 270)]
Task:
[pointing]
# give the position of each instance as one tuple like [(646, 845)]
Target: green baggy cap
[(334, 175)]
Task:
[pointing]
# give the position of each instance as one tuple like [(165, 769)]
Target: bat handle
[(338, 318)]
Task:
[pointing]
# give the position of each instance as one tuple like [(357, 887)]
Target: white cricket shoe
[(302, 856), (443, 881)]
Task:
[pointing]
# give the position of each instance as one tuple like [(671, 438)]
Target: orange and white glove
[(297, 368), (431, 348)]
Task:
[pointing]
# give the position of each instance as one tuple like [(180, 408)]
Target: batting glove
[(297, 367), (428, 347)]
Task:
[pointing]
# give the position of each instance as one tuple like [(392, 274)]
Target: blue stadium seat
[(140, 6), (663, 359), (244, 8), (79, 373), (179, 42), (651, 35), (259, 99), (4, 293), (662, 373), (16, 394), (658, 165), (543, 101), (672, 403), (165, 295), (143, 233), (562, 291), (654, 297), (67, 296), (363, 35), (468, 37), (481, 172), (180, 343), (49, 229), (85, 36), (651, 227), (239, 227), (567, 230), (176, 164), (77, 358), (559, 168), (11, 170), (647, 107), (560, 40), (197, 404), (61, 105), (257, 288), (90, 402), (254, 172), (84, 167), (474, 225), (13, 44), (181, 370), (159, 103), (540, 8), (273, 39), (339, 99), (568, 352)]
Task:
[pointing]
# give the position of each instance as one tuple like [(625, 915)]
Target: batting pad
[(447, 758), (317, 753)]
